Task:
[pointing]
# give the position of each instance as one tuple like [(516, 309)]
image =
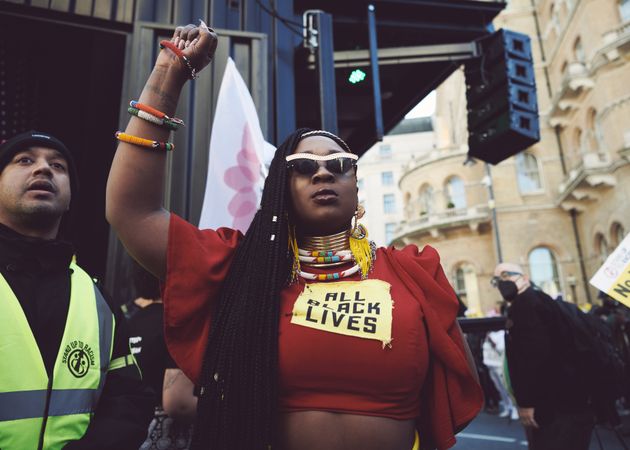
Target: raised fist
[(197, 42)]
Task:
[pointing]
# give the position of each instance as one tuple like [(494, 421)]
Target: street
[(489, 432)]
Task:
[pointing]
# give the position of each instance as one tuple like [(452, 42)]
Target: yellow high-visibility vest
[(38, 412)]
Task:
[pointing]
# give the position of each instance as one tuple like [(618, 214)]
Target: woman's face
[(324, 202)]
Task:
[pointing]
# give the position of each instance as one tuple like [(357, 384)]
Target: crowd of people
[(298, 334)]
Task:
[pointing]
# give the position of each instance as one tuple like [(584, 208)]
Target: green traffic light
[(357, 76)]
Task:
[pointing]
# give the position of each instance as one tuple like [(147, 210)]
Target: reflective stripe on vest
[(30, 404), (78, 374)]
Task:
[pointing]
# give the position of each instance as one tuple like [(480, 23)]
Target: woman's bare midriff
[(317, 430)]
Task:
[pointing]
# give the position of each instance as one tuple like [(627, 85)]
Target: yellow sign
[(355, 308), (613, 277)]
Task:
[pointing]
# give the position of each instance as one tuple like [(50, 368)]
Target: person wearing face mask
[(552, 399)]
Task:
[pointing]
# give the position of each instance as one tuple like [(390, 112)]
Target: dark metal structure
[(80, 62)]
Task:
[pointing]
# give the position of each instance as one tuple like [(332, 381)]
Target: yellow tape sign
[(355, 308)]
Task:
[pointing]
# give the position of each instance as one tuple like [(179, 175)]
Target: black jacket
[(39, 275), (541, 376)]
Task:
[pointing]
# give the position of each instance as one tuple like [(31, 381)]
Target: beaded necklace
[(333, 250)]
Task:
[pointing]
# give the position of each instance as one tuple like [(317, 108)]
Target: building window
[(593, 131), (387, 178), (460, 283), (624, 10), (389, 232), (617, 233), (527, 174), (455, 193), (601, 247), (577, 141), (544, 270), (426, 200), (578, 51), (389, 203), (385, 151), (467, 288)]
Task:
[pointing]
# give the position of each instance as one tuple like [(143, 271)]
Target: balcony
[(615, 43), (419, 223), (585, 182), (575, 82), (434, 156)]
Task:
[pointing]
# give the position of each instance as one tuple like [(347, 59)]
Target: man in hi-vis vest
[(67, 379)]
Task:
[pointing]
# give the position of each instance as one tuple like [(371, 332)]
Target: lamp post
[(487, 180)]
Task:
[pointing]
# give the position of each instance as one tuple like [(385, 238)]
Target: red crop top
[(319, 370)]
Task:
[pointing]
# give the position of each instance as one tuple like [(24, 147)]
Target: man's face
[(34, 186), (324, 202), (511, 272)]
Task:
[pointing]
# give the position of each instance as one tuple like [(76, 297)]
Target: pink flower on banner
[(243, 179)]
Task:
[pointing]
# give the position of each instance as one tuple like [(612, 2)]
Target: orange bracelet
[(142, 142)]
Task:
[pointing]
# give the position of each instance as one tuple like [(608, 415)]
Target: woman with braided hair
[(299, 334)]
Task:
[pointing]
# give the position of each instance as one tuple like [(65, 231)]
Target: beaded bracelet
[(164, 123), (135, 140), (175, 49), (154, 112)]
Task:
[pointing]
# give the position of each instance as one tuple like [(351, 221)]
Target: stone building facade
[(379, 171), (562, 205)]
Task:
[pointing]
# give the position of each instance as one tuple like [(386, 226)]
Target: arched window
[(527, 173), (617, 233), (460, 283), (466, 287), (426, 200), (455, 193), (544, 270), (592, 130), (601, 247), (409, 207), (578, 51), (624, 10)]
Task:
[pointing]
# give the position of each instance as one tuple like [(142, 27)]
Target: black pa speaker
[(501, 97)]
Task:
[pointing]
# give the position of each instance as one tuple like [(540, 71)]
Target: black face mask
[(508, 289)]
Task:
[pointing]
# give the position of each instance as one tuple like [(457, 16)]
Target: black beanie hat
[(10, 147)]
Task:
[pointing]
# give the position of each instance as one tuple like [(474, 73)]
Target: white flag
[(613, 277), (239, 157)]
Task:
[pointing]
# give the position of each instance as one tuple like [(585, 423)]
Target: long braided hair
[(238, 391)]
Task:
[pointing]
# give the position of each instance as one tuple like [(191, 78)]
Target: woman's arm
[(178, 399), (136, 180)]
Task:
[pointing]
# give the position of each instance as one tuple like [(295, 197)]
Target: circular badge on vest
[(78, 357), (78, 363)]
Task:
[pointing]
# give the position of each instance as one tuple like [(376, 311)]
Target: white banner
[(239, 157), (613, 277)]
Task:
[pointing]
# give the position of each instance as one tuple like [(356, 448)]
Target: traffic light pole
[(376, 80), (318, 37)]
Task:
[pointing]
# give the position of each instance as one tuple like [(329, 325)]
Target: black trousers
[(561, 431)]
